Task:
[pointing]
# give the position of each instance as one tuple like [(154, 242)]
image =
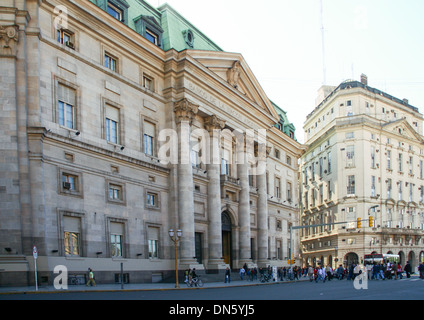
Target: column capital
[(185, 110), (214, 123), (8, 38)]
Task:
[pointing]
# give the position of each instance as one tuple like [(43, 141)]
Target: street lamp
[(176, 238)]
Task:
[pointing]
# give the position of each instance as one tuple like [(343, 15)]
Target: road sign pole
[(35, 255)]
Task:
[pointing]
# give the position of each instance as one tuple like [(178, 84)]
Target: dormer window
[(114, 11), (151, 36), (117, 9), (149, 28)]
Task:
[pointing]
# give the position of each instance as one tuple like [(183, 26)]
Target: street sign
[(35, 252)]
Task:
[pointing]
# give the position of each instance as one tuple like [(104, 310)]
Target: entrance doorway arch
[(412, 260), (227, 238), (351, 258)]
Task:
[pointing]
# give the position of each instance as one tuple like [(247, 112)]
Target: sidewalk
[(135, 287)]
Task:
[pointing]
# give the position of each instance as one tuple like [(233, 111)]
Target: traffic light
[(371, 221), (358, 223)]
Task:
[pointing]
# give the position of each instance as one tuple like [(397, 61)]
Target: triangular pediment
[(402, 128), (235, 72)]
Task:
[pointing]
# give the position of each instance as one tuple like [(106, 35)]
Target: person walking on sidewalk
[(227, 275), (242, 272), (91, 280)]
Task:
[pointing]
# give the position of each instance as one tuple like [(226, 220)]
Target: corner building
[(365, 161), (92, 94)]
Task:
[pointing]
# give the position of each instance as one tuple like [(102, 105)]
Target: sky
[(284, 42)]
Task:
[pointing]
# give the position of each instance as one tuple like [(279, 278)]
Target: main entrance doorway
[(226, 238)]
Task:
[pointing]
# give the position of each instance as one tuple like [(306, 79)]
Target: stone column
[(244, 205), (262, 206), (214, 126), (184, 114)]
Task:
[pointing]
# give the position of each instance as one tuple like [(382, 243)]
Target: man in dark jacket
[(408, 269)]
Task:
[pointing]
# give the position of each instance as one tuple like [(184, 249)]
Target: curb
[(142, 289)]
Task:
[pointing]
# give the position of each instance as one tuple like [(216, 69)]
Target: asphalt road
[(406, 289)]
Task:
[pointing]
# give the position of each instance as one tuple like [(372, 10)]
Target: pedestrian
[(395, 270), (311, 273), (227, 275), (408, 269), (321, 275), (91, 280), (399, 270), (375, 271), (421, 270), (340, 272), (242, 272), (329, 272), (187, 275)]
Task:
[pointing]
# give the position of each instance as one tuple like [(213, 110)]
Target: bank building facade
[(120, 122)]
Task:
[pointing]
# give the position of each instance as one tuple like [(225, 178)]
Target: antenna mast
[(324, 67)]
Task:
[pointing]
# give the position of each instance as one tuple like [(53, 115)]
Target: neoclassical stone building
[(365, 160), (120, 122)]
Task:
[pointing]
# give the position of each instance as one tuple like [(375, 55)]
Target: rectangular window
[(149, 138), (111, 62), (389, 188), (153, 242), (225, 162), (411, 165), (65, 37), (372, 186), (289, 192), (115, 192), (195, 159), (399, 190), (72, 235), (372, 157), (69, 182), (277, 187), (116, 239), (389, 159), (112, 124), (351, 185), (400, 161), (148, 83), (329, 162), (329, 196), (152, 199), (66, 106), (350, 156), (66, 115)]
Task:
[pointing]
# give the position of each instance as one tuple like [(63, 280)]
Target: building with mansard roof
[(364, 166), (120, 122)]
